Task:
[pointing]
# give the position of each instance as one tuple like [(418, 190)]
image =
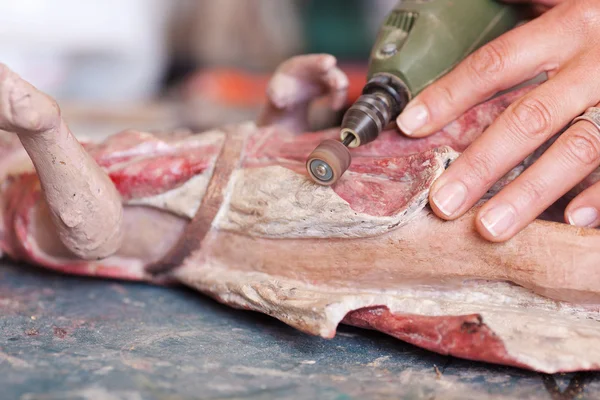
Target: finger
[(570, 159), (523, 127), (584, 209), (517, 56)]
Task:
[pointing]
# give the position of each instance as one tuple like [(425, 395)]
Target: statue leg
[(85, 206)]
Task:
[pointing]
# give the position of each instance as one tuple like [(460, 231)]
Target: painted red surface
[(154, 175), (464, 336), (142, 164)]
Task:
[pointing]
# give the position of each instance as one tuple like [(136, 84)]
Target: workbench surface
[(73, 338)]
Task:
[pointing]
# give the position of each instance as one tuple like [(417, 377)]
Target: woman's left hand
[(564, 42)]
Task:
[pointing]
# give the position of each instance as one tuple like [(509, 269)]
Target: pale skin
[(563, 42)]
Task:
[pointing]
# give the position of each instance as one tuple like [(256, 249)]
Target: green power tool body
[(420, 41)]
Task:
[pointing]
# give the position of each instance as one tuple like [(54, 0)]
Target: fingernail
[(583, 217), (499, 219), (450, 197), (412, 118)]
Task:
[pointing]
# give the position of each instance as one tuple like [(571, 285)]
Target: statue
[(232, 213)]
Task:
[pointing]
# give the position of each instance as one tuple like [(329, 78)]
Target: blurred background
[(136, 58)]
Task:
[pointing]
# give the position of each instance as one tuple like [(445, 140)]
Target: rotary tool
[(420, 41)]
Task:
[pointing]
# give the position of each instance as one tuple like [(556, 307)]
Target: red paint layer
[(386, 186), (464, 336), (155, 175), (142, 164)]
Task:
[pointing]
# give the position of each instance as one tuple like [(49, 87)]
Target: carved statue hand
[(296, 83)]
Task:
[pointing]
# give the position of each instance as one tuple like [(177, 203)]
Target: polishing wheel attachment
[(383, 98), (328, 162)]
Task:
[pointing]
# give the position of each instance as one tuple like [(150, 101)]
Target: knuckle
[(583, 17), (532, 191), (582, 145), (479, 169), (442, 97), (488, 62), (530, 118)]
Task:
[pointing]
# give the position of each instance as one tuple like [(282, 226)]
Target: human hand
[(565, 43)]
